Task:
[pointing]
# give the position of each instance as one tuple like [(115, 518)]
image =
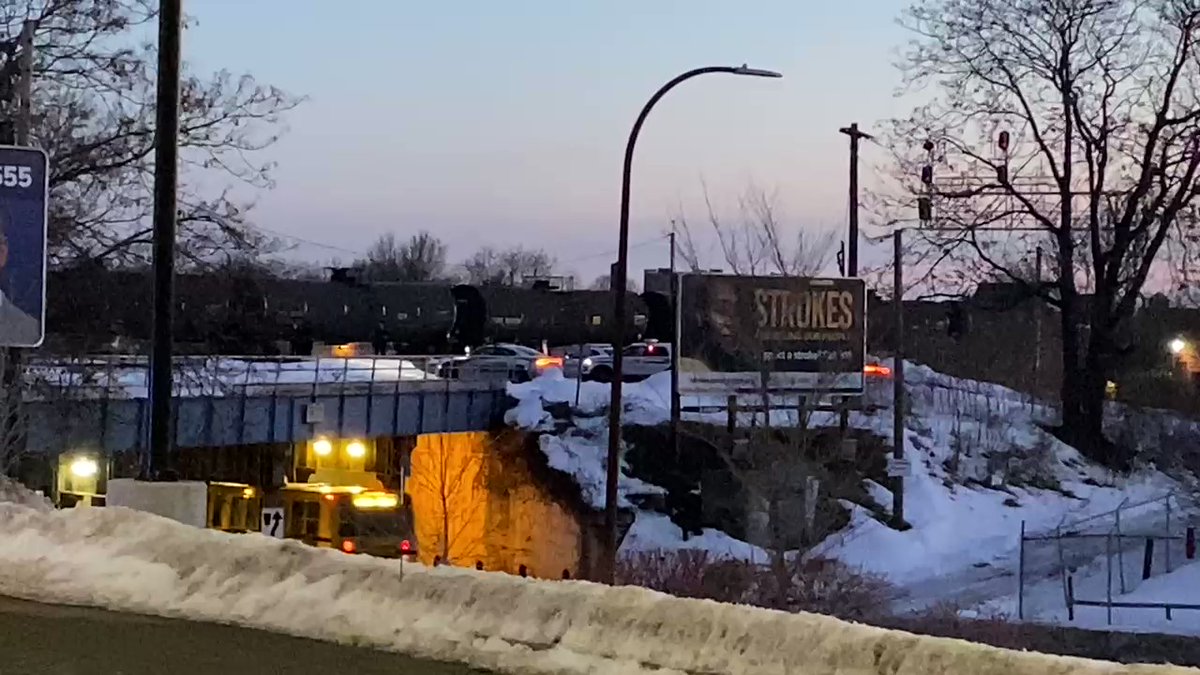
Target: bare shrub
[(815, 585)]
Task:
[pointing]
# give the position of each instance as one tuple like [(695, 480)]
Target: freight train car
[(234, 313)]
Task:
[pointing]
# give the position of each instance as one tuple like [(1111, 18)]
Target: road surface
[(36, 639)]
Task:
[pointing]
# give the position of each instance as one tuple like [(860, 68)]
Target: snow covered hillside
[(981, 466), (131, 561)]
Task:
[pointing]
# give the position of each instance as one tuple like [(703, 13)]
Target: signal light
[(349, 546), (1002, 141), (927, 174), (406, 546)]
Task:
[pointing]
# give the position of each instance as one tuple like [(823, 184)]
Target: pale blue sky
[(505, 122)]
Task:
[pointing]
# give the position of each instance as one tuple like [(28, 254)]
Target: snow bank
[(12, 492), (654, 532), (131, 561)]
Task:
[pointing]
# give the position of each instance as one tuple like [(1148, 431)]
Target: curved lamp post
[(619, 276)]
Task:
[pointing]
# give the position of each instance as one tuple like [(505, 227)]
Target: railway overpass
[(101, 405)]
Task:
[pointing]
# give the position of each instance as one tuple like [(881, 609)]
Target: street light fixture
[(1177, 345), (619, 277)]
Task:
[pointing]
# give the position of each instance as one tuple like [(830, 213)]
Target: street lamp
[(1177, 346), (620, 274)]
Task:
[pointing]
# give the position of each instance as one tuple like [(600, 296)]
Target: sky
[(504, 123)]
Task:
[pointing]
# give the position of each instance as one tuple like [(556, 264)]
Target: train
[(254, 314)]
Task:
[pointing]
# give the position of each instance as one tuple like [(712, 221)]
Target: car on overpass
[(579, 359), (640, 360), (502, 361)]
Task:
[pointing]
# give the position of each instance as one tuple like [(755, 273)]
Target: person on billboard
[(17, 327)]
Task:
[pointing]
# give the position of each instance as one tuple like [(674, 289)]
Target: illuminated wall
[(475, 498)]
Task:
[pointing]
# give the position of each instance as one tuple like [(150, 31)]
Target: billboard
[(23, 197), (789, 333)]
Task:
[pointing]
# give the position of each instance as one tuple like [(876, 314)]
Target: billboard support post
[(898, 401)]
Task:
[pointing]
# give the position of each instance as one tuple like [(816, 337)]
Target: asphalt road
[(37, 639)]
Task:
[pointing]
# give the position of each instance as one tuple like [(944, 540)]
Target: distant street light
[(618, 284), (1177, 345)]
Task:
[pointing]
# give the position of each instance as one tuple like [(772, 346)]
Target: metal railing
[(1107, 542), (94, 377)]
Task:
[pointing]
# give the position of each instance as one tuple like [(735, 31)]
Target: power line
[(340, 249), (613, 252), (302, 240)]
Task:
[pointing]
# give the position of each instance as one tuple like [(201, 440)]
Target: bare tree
[(780, 468), (93, 103), (755, 242), (1100, 103), (421, 258), (508, 267), (449, 493)]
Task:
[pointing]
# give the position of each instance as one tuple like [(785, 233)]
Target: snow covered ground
[(981, 466), (216, 376), (136, 562)]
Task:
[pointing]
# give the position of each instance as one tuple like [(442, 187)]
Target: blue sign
[(24, 190)]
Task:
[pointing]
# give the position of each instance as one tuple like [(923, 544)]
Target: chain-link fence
[(1093, 561)]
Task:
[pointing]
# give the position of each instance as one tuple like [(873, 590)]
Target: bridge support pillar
[(184, 501)]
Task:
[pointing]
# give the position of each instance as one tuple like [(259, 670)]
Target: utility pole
[(156, 465), (1037, 323), (25, 85), (898, 401), (11, 358), (852, 236), (676, 409), (850, 268)]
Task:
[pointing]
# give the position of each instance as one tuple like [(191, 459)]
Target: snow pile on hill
[(981, 465), (962, 437), (585, 460), (126, 560)]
